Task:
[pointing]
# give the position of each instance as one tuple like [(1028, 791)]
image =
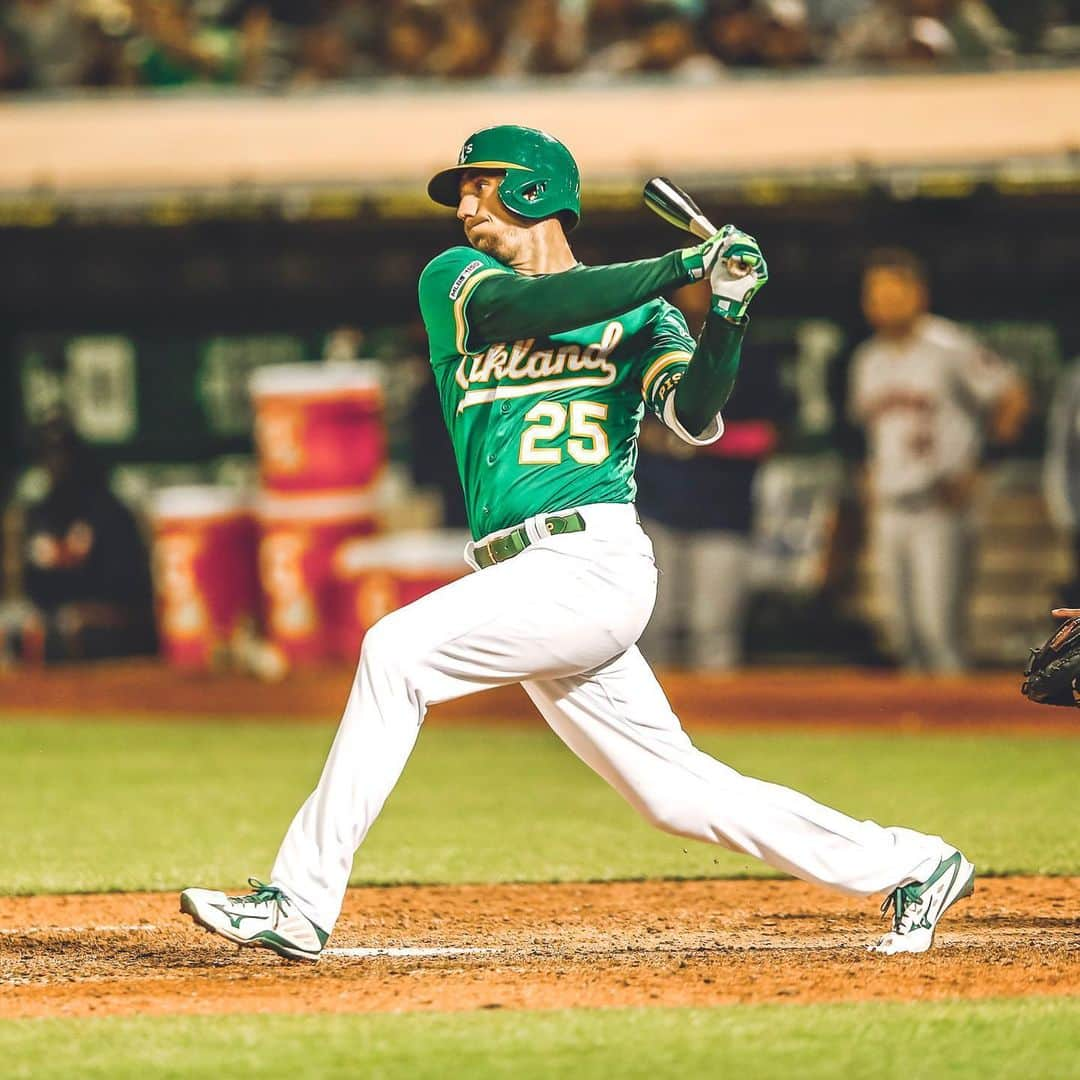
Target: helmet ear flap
[(534, 190)]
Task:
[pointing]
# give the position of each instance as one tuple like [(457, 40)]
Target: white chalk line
[(416, 950), (362, 953), (120, 928)]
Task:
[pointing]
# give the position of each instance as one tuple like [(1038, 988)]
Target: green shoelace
[(263, 894), (905, 903)]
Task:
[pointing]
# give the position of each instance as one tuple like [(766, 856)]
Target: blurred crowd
[(50, 45), (929, 396), (750, 533)]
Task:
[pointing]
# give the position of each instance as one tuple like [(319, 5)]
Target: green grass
[(991, 1040), (92, 806)]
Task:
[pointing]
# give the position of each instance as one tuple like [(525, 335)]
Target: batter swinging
[(544, 368)]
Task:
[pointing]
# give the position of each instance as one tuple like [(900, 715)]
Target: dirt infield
[(440, 948), (843, 699), (536, 946)]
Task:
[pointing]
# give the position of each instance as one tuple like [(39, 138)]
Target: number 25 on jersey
[(588, 441)]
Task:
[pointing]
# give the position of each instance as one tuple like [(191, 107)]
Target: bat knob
[(737, 268)]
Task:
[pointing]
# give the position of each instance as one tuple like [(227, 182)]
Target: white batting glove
[(738, 271), (700, 260)]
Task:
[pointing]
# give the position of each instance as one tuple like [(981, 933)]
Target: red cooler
[(204, 570), (377, 576), (299, 536), (318, 427)]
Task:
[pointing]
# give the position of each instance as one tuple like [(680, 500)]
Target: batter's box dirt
[(537, 946)]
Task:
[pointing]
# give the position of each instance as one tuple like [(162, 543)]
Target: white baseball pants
[(562, 618)]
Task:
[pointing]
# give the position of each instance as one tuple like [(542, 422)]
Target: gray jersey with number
[(923, 402)]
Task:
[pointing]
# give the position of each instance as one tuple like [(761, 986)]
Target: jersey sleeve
[(669, 347), (446, 284), (983, 374), (858, 398)]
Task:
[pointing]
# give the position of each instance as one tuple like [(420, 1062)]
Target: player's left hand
[(737, 274)]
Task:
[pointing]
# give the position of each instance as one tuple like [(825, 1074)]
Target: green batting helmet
[(541, 174)]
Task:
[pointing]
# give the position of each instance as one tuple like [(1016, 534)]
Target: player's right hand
[(700, 260)]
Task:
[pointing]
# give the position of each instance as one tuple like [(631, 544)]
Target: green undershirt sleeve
[(511, 306), (710, 377)]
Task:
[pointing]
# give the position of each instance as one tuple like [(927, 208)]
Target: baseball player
[(544, 369), (926, 392), (1061, 470)]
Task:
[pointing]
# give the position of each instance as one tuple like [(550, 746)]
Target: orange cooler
[(318, 427), (377, 576), (204, 570), (299, 536)]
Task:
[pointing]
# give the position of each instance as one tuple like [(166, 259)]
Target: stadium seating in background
[(50, 45)]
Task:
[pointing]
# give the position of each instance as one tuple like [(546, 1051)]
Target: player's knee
[(389, 644)]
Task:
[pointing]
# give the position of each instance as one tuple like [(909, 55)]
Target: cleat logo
[(237, 919)]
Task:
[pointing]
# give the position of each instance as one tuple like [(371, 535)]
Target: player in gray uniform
[(1061, 470), (927, 393)]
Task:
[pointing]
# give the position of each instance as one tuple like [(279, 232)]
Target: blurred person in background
[(927, 393), (1061, 473), (546, 37), (697, 506), (914, 31), (469, 45), (325, 55), (412, 32), (14, 73), (607, 22), (760, 33), (84, 570), (49, 37), (172, 46), (826, 16), (452, 40), (343, 46), (105, 60), (659, 36)]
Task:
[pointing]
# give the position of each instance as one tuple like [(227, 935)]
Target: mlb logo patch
[(463, 277)]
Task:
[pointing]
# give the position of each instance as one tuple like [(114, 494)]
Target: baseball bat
[(676, 207)]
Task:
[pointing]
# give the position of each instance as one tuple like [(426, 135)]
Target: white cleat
[(917, 907), (265, 917)]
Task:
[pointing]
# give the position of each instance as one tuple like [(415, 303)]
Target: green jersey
[(541, 424)]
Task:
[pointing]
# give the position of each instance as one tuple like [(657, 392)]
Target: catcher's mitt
[(1052, 671)]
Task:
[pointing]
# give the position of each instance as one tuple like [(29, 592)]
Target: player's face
[(892, 299), (489, 226)]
